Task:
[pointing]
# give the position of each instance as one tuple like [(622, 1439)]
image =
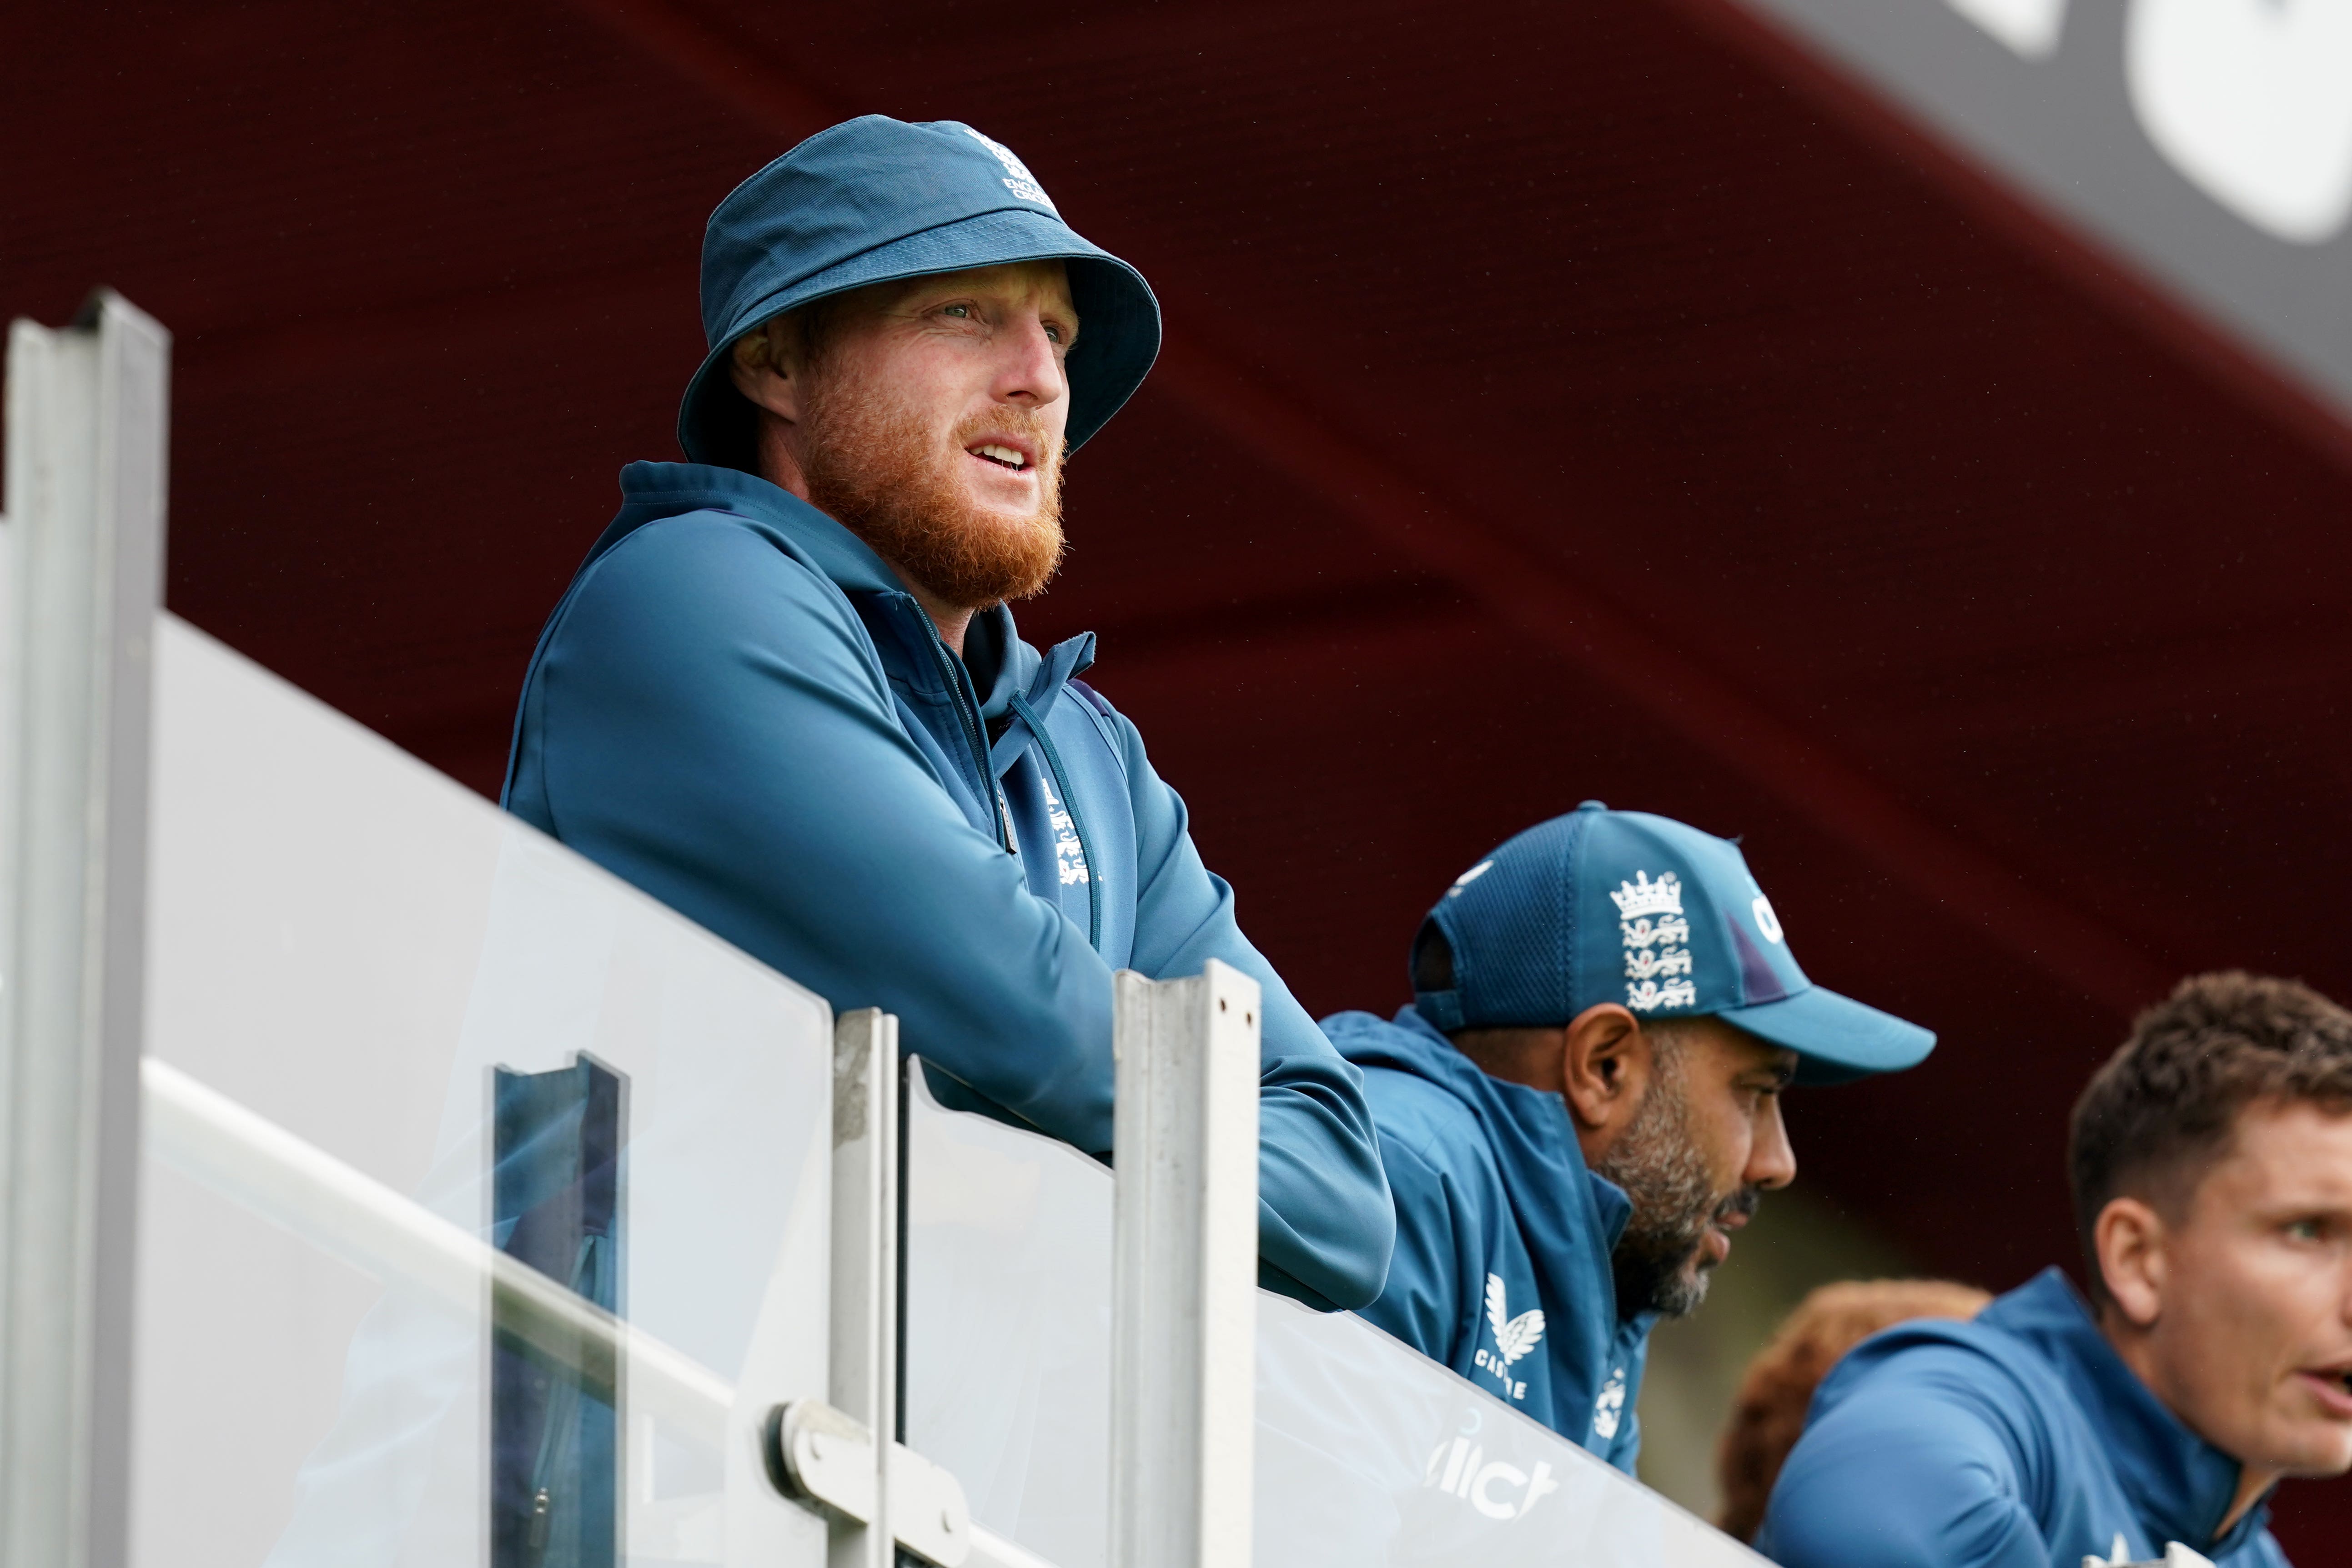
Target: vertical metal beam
[(1184, 1271), (863, 1378), (87, 466)]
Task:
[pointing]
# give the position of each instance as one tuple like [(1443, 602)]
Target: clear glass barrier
[(483, 1213), (1368, 1453)]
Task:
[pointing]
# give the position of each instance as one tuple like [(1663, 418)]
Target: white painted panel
[(344, 943), (1008, 1352)]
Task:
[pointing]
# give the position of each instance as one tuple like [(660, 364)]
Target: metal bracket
[(928, 1516), (817, 1454)]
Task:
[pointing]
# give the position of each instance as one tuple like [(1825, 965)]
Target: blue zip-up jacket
[(740, 709), (2019, 1440), (1501, 1268)]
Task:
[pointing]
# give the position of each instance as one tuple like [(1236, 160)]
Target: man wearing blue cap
[(784, 694), (1583, 1104)]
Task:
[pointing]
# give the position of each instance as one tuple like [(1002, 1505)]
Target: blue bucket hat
[(874, 199), (1621, 905)]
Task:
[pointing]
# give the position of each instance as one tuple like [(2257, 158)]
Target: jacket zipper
[(952, 669), (1044, 743)]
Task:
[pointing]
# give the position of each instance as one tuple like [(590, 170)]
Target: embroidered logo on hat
[(1657, 960), (1023, 183)]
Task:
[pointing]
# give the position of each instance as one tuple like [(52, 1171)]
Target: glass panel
[(485, 1198), (1367, 1451)]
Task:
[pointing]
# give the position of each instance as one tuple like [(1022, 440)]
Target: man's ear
[(1606, 1064), (765, 366), (2129, 1238)]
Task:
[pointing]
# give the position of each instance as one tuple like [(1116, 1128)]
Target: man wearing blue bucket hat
[(1583, 1104), (784, 693)]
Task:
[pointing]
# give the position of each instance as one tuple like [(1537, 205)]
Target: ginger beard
[(885, 471), (1660, 1265)]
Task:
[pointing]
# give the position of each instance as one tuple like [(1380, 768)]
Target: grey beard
[(1657, 1264)]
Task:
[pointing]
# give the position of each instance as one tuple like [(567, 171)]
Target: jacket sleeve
[(712, 725), (1917, 1467), (1325, 1221), (1422, 1302)]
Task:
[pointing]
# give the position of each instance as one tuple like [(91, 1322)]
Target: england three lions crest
[(1656, 933)]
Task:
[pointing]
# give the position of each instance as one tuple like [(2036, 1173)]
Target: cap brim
[(1835, 1037), (1118, 322)]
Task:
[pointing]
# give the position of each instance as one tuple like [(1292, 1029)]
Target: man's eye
[(1053, 334), (2305, 1229), (960, 313)]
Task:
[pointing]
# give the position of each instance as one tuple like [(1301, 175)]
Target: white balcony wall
[(345, 942), (343, 945), (1368, 1453)]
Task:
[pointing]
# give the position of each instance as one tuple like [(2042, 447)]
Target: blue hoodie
[(2019, 1439), (1503, 1237), (740, 709)]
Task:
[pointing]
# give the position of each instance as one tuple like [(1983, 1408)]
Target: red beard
[(876, 466)]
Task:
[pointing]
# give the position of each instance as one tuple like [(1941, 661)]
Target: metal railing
[(802, 1346)]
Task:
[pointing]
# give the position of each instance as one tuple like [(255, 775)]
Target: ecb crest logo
[(1020, 181), (1658, 954), (1609, 1410)]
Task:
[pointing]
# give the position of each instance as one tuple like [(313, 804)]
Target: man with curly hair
[(2212, 1165)]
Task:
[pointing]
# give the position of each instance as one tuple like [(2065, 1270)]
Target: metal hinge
[(818, 1454)]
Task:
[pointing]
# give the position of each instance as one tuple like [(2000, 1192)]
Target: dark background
[(1586, 399)]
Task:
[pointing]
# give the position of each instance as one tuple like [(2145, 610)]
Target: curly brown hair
[(1769, 1416), (2164, 1108)]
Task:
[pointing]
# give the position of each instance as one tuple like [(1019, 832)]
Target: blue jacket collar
[(2180, 1485), (1530, 1132), (651, 491), (1002, 666)]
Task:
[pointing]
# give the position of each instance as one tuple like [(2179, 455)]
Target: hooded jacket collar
[(651, 491), (1001, 667), (1533, 1139), (2180, 1485)]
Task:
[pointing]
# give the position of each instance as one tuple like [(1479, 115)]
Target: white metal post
[(842, 1452), (1184, 1271), (864, 1384), (88, 409)]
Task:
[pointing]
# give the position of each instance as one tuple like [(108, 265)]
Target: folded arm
[(708, 722), (712, 726)]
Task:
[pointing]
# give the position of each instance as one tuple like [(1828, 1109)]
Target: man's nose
[(1028, 372), (1773, 1159)]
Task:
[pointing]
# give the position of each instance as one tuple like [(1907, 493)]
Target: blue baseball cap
[(874, 199), (1621, 905)]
